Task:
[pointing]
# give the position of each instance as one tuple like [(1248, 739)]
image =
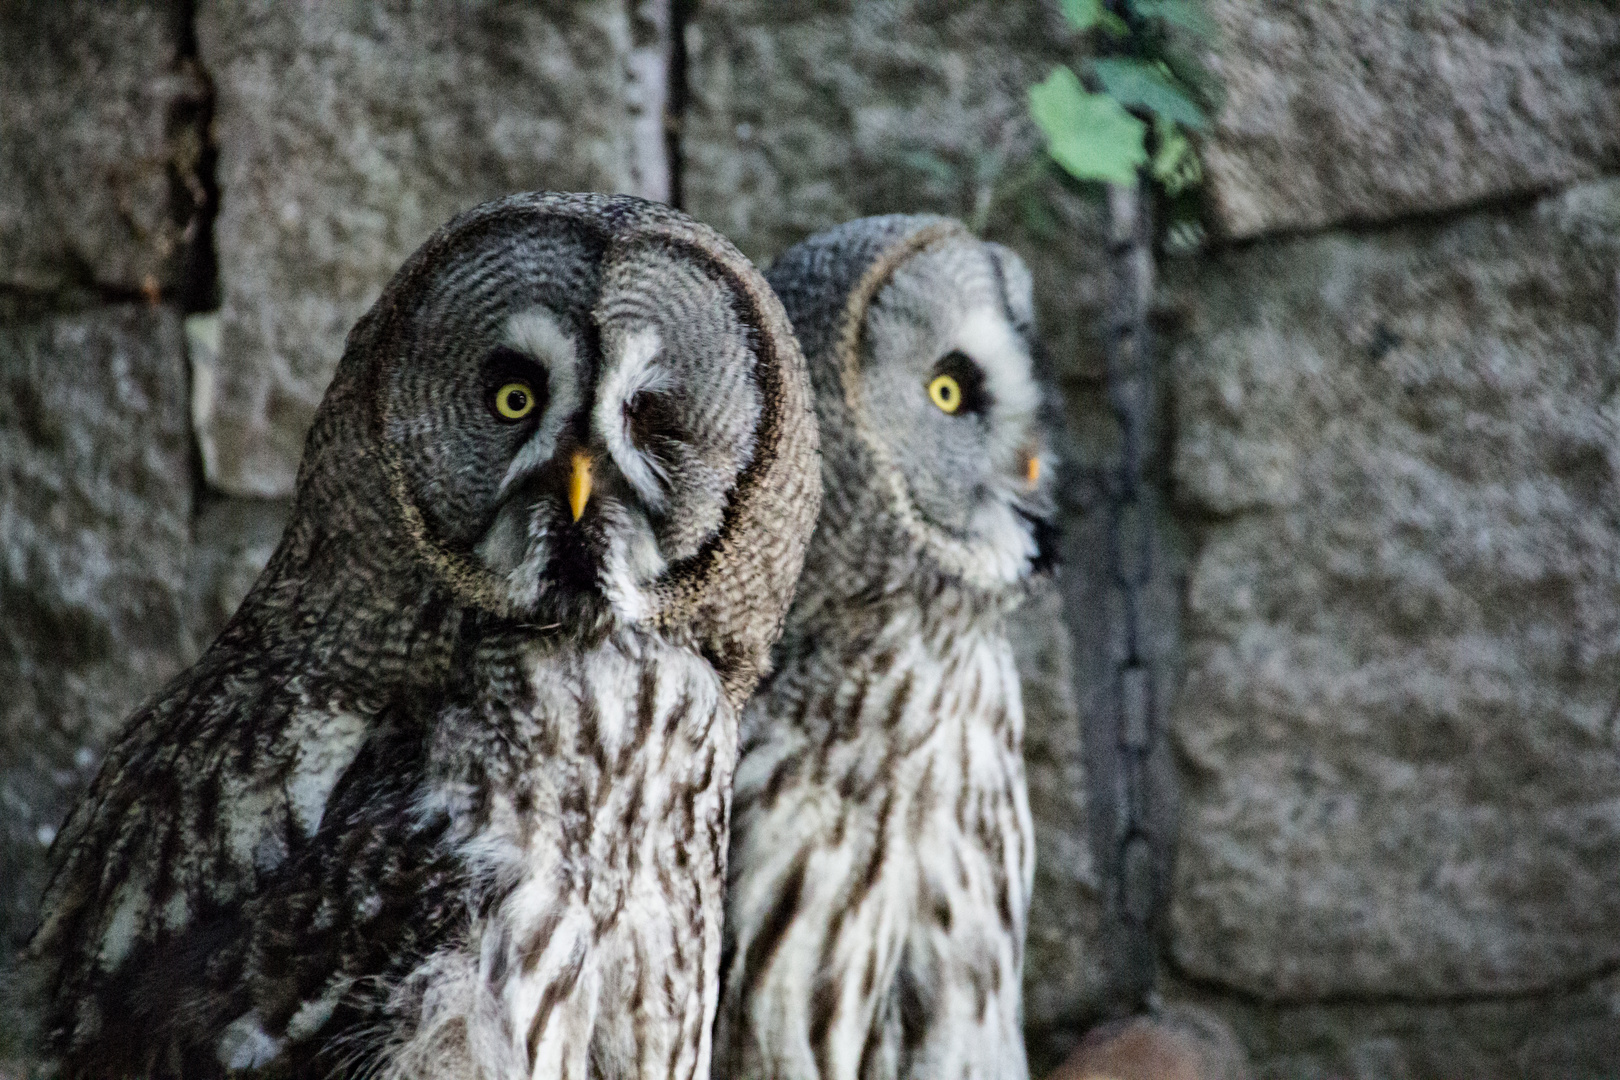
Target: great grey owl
[(448, 797), (881, 851)]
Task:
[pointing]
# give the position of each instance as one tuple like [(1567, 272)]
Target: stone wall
[(1390, 453), (1396, 450)]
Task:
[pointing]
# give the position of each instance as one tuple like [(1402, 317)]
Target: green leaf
[(1148, 85), (1183, 13), (1082, 14), (1175, 165), (1090, 135)]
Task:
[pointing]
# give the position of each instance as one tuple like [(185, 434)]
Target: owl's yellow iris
[(945, 392), (514, 401)]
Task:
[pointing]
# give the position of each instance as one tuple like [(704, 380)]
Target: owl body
[(557, 849), (885, 842), (882, 853), (588, 814), (448, 796)]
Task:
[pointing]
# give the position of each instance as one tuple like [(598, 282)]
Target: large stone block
[(99, 145), (95, 517), (1399, 727), (347, 134), (1339, 110)]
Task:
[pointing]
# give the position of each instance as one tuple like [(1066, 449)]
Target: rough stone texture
[(803, 116), (1570, 1034), (1341, 110), (98, 148), (346, 135), (1401, 714), (95, 515), (1063, 972), (232, 541)]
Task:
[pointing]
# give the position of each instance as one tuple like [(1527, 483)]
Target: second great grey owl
[(448, 796), (881, 855)]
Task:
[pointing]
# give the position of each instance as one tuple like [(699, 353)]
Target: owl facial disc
[(574, 423), (945, 393), (617, 482)]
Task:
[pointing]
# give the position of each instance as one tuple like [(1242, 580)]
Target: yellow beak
[(579, 484), (1032, 471)]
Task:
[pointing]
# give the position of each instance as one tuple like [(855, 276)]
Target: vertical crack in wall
[(193, 186), (675, 99), (194, 204), (658, 92), (647, 72)]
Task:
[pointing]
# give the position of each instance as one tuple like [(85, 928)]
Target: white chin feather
[(1003, 547), (633, 560), (515, 548)]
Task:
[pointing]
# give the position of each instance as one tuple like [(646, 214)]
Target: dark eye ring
[(648, 416), (515, 386), (957, 385)]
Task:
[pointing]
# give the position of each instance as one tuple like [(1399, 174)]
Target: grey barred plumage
[(882, 853), (449, 794)]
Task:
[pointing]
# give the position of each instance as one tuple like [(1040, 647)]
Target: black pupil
[(516, 399)]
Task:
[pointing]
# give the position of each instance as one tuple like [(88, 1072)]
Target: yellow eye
[(514, 401), (945, 392)]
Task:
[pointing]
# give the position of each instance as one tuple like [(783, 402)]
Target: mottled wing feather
[(370, 896), (200, 803)]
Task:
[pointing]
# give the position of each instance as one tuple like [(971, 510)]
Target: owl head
[(578, 413), (919, 340)]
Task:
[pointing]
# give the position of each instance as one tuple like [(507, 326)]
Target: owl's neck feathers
[(828, 618), (864, 563)]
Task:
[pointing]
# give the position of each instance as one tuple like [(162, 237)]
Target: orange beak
[(1032, 471), (579, 484)]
